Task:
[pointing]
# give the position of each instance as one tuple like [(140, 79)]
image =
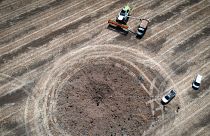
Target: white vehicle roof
[(164, 99), (198, 78), (141, 28), (120, 17)]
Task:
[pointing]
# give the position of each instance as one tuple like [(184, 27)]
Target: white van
[(196, 82)]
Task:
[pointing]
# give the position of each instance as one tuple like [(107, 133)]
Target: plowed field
[(62, 72)]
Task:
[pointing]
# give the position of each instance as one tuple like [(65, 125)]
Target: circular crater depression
[(103, 98)]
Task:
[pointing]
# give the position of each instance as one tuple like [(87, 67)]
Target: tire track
[(19, 82), (135, 45), (11, 114), (37, 66), (18, 127), (181, 35), (51, 75), (77, 36), (189, 95), (154, 27), (58, 26), (191, 34), (183, 32), (90, 55), (19, 34), (3, 4), (194, 40), (11, 3), (173, 74), (41, 19), (205, 61), (2, 49), (193, 113), (33, 12), (13, 6), (190, 76), (16, 96), (42, 41), (25, 8), (200, 36), (184, 66), (200, 120), (67, 77), (174, 41), (146, 14), (159, 35), (142, 73), (202, 132), (174, 12)]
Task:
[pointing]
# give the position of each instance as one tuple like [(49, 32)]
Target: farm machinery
[(120, 23)]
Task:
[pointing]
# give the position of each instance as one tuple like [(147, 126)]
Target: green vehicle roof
[(126, 8)]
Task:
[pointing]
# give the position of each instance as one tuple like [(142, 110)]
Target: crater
[(104, 98)]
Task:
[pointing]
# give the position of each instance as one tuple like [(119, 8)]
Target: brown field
[(62, 72)]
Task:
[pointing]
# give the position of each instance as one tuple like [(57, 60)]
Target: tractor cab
[(120, 24), (123, 16)]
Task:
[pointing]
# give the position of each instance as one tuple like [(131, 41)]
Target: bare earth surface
[(62, 72)]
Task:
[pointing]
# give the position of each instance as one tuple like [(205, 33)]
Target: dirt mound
[(103, 99)]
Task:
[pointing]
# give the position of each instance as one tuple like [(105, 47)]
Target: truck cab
[(123, 16), (142, 28)]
